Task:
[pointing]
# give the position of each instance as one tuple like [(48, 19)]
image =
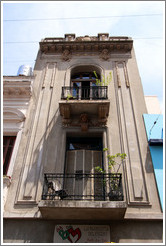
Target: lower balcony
[(82, 196)]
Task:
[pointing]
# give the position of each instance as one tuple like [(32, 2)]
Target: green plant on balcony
[(69, 97), (105, 80), (113, 161)]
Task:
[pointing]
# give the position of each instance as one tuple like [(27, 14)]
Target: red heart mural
[(74, 233)]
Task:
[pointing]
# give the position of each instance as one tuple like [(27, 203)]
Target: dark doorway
[(85, 88)]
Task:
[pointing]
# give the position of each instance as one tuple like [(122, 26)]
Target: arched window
[(83, 82)]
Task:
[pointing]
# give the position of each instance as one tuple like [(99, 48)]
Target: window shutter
[(81, 164)]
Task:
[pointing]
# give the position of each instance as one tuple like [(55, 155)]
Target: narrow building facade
[(83, 104)]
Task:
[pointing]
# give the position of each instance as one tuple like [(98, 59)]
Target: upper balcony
[(84, 93), (86, 103)]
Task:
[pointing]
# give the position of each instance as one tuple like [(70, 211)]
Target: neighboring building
[(154, 129), (55, 194), (152, 104), (16, 97)]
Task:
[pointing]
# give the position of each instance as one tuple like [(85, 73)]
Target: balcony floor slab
[(83, 210)]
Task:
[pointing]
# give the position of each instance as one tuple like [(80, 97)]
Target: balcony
[(91, 101), (82, 196), (84, 93), (79, 186)]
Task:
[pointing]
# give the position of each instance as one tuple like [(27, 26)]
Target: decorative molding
[(102, 114), (121, 73), (69, 37), (66, 55), (17, 86), (126, 75), (16, 91), (136, 189), (117, 74), (49, 74), (85, 44), (12, 115), (104, 55), (84, 119)]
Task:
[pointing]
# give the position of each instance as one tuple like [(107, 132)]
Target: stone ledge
[(82, 209)]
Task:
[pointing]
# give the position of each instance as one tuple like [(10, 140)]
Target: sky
[(25, 23)]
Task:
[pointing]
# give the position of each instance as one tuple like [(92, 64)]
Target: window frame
[(8, 149)]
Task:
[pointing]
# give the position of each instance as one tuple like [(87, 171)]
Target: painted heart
[(64, 234), (74, 233)]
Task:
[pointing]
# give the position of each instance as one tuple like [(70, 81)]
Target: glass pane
[(76, 86), (84, 143), (8, 145)]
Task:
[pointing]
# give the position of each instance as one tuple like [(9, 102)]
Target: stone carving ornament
[(84, 122), (105, 55), (66, 55)]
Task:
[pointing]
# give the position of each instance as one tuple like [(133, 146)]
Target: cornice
[(17, 87), (18, 78), (102, 44)]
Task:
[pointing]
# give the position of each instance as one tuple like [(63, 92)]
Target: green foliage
[(69, 96), (105, 81), (113, 160), (99, 169), (105, 149)]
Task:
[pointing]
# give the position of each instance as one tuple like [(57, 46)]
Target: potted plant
[(105, 82), (69, 97), (113, 181)]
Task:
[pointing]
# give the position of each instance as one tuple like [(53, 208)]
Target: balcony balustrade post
[(79, 97)]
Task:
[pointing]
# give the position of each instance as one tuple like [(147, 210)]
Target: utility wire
[(83, 17), (31, 61), (21, 42)]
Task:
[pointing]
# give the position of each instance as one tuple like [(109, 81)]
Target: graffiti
[(72, 235)]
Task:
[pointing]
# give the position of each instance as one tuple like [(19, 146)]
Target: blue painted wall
[(155, 131)]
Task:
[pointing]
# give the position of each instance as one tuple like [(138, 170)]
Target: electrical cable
[(83, 17)]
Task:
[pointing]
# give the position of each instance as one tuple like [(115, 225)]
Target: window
[(82, 156), (84, 81), (87, 143), (8, 146)]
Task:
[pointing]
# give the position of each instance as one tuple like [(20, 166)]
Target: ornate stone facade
[(54, 131)]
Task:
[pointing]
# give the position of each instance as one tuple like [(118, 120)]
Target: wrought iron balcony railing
[(84, 93), (80, 186)]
